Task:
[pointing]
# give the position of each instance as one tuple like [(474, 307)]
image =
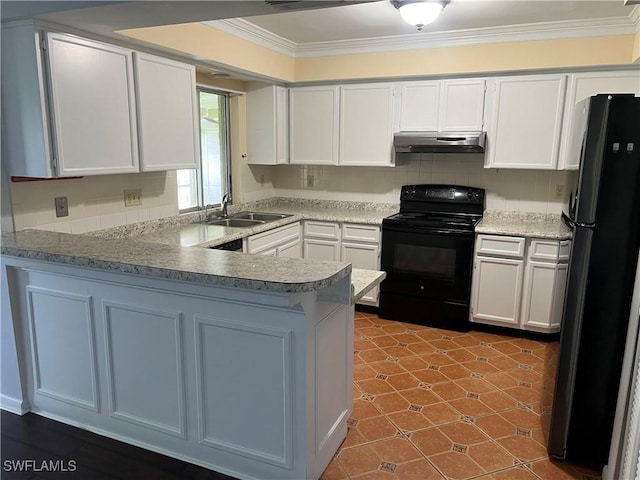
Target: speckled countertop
[(524, 224), (183, 231), (212, 267), (363, 281)]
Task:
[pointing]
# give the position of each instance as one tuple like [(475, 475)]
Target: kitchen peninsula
[(233, 362)]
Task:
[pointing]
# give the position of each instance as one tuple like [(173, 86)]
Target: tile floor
[(432, 404)]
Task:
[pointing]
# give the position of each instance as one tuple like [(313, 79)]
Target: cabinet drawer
[(565, 251), (549, 250), (500, 245), (329, 230), (361, 233), (272, 238)]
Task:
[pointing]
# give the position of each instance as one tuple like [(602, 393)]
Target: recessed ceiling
[(381, 19)]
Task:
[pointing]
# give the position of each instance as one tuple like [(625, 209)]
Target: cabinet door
[(315, 249), (25, 137), (419, 106), (272, 239), (267, 126), (526, 116), (313, 126), (366, 124), (543, 296), (93, 106), (497, 285), (462, 106), (168, 113), (292, 249), (366, 256), (582, 86)]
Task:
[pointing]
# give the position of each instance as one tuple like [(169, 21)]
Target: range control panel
[(443, 193)]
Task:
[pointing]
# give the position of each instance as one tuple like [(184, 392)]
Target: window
[(197, 188)]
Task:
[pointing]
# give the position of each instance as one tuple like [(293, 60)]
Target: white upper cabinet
[(93, 106), (81, 107), (267, 124), (419, 103), (168, 113), (25, 138), (526, 118), (366, 124), (582, 86), (314, 120), (461, 105), (342, 125), (442, 105)]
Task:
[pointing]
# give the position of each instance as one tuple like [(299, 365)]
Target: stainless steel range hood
[(439, 142)]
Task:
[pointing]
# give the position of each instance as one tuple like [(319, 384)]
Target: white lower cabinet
[(321, 241), (352, 243), (148, 361), (545, 279), (519, 283), (281, 242), (366, 256), (291, 249), (498, 290), (320, 249)]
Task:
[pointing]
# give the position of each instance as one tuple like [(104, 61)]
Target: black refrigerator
[(604, 216)]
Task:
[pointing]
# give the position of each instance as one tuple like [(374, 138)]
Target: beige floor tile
[(431, 404)]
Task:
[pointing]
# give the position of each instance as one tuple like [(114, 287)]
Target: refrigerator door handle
[(569, 222)]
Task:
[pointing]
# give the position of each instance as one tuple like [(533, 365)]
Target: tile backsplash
[(514, 190), (95, 202)]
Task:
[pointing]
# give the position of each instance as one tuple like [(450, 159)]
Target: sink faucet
[(226, 200), (206, 209)]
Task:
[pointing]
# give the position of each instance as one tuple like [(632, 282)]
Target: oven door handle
[(439, 231)]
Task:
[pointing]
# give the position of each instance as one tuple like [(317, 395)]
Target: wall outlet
[(310, 181), (62, 207), (133, 197), (559, 191)]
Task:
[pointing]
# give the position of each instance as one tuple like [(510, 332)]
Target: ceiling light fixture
[(419, 12)]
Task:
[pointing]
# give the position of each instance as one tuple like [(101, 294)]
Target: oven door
[(427, 263)]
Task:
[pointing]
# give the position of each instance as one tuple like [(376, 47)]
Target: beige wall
[(199, 40), (636, 49), (560, 53), (95, 202), (196, 39)]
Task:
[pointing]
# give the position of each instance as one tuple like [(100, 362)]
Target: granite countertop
[(155, 249), (363, 281), (524, 224), (185, 231), (206, 266)]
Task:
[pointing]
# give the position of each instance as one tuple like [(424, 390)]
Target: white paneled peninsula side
[(239, 363)]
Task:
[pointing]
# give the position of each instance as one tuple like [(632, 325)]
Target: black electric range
[(427, 253)]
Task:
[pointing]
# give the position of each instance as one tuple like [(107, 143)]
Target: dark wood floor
[(32, 437)]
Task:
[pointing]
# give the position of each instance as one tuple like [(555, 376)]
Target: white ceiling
[(381, 19)]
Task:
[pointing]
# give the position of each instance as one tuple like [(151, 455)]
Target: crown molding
[(635, 17), (476, 36), (417, 41), (250, 32)]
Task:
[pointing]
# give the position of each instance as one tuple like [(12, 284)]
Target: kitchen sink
[(235, 222), (265, 217)]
